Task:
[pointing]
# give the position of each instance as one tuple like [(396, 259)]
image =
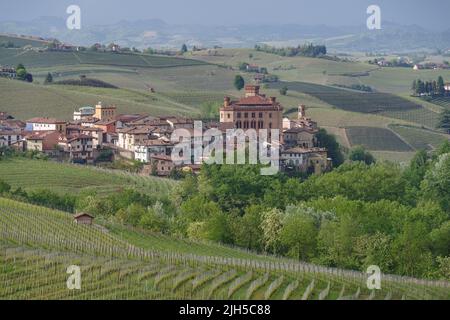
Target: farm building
[(83, 218)]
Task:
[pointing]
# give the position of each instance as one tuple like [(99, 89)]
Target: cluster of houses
[(8, 72), (148, 139)]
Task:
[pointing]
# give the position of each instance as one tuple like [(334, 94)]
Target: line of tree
[(305, 50), (432, 88)]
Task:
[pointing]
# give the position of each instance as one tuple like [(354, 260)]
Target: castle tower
[(251, 90), (104, 112), (301, 112)]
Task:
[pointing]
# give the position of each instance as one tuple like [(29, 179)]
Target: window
[(239, 115), (253, 114), (246, 115), (270, 125), (260, 114), (228, 115), (270, 115)]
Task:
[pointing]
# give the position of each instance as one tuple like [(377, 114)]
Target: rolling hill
[(37, 174)]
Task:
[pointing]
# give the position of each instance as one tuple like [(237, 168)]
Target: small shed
[(83, 218)]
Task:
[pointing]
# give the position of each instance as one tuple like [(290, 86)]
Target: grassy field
[(38, 244), (377, 139), (37, 174), (325, 72), (25, 100)]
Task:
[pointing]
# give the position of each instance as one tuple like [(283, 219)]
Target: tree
[(414, 175), (414, 87), (239, 82), (184, 48), (154, 219), (359, 153), (21, 73), (284, 90), (444, 121), (440, 86), (49, 78), (29, 77), (271, 226), (248, 228), (436, 184), (299, 235), (328, 141), (411, 252), (4, 187)]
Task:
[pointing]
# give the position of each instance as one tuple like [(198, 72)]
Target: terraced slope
[(37, 245)]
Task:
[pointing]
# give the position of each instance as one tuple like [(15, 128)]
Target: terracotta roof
[(81, 136), (161, 157), (45, 120), (137, 130), (304, 150), (10, 132), (130, 117), (105, 122), (81, 214), (301, 129), (254, 100), (155, 142), (13, 123), (90, 129), (38, 135)]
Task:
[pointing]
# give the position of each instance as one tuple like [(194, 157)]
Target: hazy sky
[(431, 14)]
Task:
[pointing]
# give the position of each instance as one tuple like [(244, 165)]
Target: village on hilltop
[(147, 139)]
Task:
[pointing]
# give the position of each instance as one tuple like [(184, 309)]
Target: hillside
[(37, 245), (183, 85), (35, 174), (22, 41)]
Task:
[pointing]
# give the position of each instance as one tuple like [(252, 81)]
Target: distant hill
[(158, 34)]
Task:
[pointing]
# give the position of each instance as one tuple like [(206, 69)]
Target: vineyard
[(418, 138), (35, 59), (376, 139), (384, 104), (441, 101), (67, 178), (37, 245)]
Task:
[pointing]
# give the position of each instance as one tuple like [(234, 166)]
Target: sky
[(430, 14)]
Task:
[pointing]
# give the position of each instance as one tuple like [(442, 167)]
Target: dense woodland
[(361, 213), (305, 50)]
